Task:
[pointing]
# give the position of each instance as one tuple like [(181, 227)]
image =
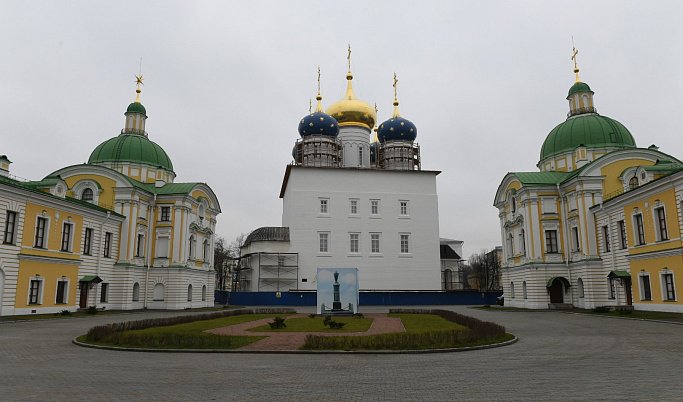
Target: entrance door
[(84, 295), (556, 292), (627, 287)]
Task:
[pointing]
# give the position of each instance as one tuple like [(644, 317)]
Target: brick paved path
[(293, 340), (558, 357)]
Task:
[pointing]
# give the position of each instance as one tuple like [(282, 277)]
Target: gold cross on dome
[(349, 57), (395, 82)]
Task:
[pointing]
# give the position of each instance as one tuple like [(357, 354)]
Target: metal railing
[(582, 110)]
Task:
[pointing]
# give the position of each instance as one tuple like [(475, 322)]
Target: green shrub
[(91, 310), (65, 313), (601, 309), (312, 315), (358, 315)]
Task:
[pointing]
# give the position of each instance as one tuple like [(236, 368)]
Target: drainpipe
[(149, 245)]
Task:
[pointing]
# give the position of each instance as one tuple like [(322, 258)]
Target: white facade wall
[(419, 269)]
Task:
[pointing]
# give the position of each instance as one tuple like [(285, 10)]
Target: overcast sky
[(226, 84)]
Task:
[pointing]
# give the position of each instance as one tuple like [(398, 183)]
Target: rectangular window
[(374, 242), (360, 156), (668, 285), (354, 239), (623, 240), (104, 292), (660, 217), (612, 290), (323, 206), (107, 244), (324, 242), (638, 226), (605, 237), (551, 241), (140, 249), (66, 236), (575, 239), (87, 241), (374, 207), (34, 291), (405, 244), (165, 214), (645, 288), (403, 206), (10, 225), (41, 228), (354, 207), (61, 297)]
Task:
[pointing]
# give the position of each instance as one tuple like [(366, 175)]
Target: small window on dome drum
[(87, 194)]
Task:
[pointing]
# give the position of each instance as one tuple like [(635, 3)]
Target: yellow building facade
[(114, 233), (598, 225)]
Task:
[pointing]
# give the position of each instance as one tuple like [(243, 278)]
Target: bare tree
[(484, 271), (222, 259)]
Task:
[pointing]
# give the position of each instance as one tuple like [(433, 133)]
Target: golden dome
[(351, 111)]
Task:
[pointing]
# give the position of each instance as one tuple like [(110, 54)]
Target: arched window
[(136, 292), (524, 289), (511, 245), (204, 293), (512, 290), (206, 251), (514, 205), (580, 287), (633, 183), (87, 194), (159, 290), (189, 292)]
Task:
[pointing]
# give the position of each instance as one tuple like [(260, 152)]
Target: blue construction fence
[(376, 298)]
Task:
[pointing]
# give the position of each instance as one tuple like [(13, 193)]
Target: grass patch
[(183, 332), (316, 325), (425, 329)]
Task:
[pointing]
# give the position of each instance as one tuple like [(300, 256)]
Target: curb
[(304, 352)]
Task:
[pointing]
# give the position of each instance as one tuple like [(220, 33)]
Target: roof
[(131, 148), (447, 253), (268, 233), (579, 87), (540, 178), (136, 107), (34, 188), (588, 130)]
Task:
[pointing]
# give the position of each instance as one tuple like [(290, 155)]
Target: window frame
[(403, 208), (140, 245), (324, 206), (623, 237), (67, 238), (108, 237), (354, 243), (659, 215), (165, 214), (404, 243), (104, 292), (639, 229), (64, 285), (645, 291), (10, 230), (35, 293), (41, 230), (87, 241), (375, 240), (668, 283), (375, 208), (605, 239), (551, 245), (323, 242), (353, 206)]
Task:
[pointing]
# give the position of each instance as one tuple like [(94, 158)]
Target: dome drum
[(398, 155), (318, 150)]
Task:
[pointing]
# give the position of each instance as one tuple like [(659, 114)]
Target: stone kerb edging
[(367, 352)]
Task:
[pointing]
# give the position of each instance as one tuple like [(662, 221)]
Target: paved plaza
[(559, 356)]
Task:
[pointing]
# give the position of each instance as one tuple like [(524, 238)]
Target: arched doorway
[(556, 288)]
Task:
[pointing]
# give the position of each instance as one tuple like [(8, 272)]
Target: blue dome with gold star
[(318, 123), (397, 129)]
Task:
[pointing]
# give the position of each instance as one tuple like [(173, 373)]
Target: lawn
[(423, 331), (183, 336), (353, 324)]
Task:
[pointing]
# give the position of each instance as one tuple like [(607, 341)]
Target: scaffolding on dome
[(318, 150)]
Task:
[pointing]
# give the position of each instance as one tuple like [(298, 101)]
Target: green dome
[(589, 130), (579, 87), (131, 148), (136, 107)]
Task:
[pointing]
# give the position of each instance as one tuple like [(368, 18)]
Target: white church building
[(349, 202)]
